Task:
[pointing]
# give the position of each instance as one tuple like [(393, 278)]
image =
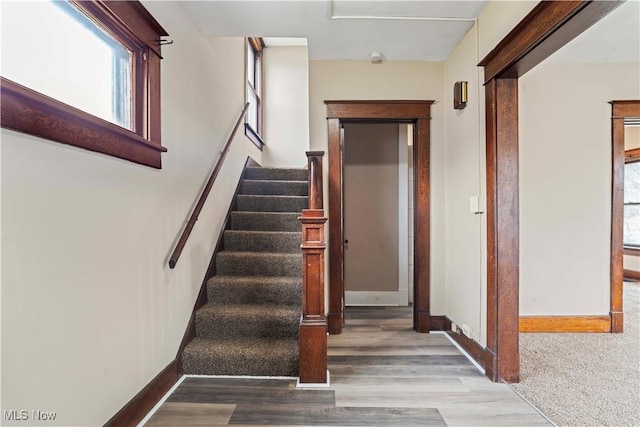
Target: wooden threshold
[(565, 323)]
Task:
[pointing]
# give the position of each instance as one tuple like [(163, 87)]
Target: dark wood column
[(336, 293), (421, 225), (503, 257)]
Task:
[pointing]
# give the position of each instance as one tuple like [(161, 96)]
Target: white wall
[(90, 310), (361, 80), (565, 184), (286, 106)]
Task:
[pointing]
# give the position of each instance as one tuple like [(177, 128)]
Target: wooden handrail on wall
[(313, 324), (205, 192)]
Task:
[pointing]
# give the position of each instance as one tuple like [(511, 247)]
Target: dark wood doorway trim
[(417, 112), (620, 110), (548, 27)]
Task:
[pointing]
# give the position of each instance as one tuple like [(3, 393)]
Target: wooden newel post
[(313, 325), (314, 164)]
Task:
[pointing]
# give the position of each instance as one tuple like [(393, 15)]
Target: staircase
[(249, 325)]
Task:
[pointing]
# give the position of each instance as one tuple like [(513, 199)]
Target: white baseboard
[(371, 298)]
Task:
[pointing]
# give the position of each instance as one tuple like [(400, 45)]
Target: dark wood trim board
[(138, 407)]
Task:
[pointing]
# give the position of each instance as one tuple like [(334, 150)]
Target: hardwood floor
[(382, 374)]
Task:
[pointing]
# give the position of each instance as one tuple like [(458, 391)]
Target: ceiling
[(426, 30), (336, 29)]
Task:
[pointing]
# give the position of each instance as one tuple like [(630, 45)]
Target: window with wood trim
[(254, 91), (631, 234), (84, 73)]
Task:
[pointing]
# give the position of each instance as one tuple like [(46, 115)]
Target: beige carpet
[(586, 379)]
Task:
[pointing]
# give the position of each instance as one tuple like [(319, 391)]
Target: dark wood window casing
[(129, 23), (253, 127)]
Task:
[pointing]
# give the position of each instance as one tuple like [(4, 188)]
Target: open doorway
[(624, 248), (417, 113), (377, 179)]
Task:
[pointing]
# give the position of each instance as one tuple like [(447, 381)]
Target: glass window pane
[(54, 49), (251, 65), (631, 234), (252, 113), (632, 182)]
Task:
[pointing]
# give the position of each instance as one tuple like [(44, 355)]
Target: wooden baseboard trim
[(565, 323), (471, 346), (138, 407), (439, 323), (631, 274)]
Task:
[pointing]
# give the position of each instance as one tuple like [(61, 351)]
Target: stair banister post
[(314, 164), (313, 324)]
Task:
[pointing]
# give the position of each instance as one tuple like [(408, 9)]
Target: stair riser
[(271, 327), (219, 293), (212, 363), (256, 221), (238, 265), (284, 188), (272, 203), (247, 367), (277, 174), (262, 242)]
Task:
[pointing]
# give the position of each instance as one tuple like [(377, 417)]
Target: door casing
[(418, 113)]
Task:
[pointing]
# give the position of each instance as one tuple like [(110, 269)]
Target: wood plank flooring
[(382, 374)]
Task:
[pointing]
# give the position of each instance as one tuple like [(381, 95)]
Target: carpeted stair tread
[(265, 221), (262, 241), (230, 263), (254, 290), (259, 321), (250, 323), (262, 203), (241, 356), (272, 187), (278, 174)]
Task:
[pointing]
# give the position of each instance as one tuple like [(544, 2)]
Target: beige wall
[(497, 19), (465, 277), (90, 310), (565, 184), (464, 157), (371, 207), (286, 106), (353, 80)]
